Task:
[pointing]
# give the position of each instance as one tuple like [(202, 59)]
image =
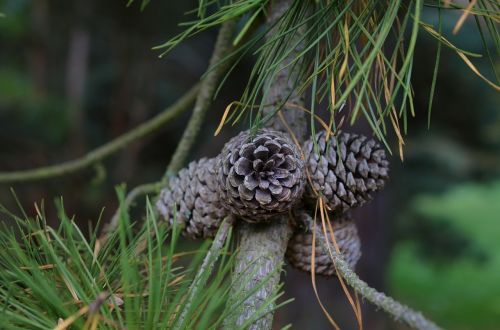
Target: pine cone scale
[(266, 172), (299, 251), (346, 170), (192, 200)]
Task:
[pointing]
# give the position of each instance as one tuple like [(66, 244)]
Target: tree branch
[(204, 98), (399, 311), (260, 252), (202, 105), (262, 247), (141, 190), (141, 131)]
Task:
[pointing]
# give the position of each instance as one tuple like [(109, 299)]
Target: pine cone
[(192, 198), (347, 170), (300, 245), (260, 176)]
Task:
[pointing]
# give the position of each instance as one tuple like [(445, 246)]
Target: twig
[(202, 104), (143, 189), (141, 131), (204, 98), (263, 247), (399, 311), (205, 269)]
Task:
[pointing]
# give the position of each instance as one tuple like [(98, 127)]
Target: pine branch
[(204, 99), (147, 128), (399, 311), (202, 105), (260, 253), (141, 190), (263, 247)]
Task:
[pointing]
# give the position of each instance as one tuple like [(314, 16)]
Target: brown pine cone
[(347, 170), (300, 245), (192, 199), (260, 175)]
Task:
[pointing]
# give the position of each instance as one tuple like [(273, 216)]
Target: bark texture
[(260, 258), (282, 88), (262, 247)]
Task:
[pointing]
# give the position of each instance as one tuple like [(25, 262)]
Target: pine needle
[(464, 16), (313, 274)]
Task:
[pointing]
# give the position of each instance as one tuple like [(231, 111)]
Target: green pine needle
[(359, 53), (52, 276)]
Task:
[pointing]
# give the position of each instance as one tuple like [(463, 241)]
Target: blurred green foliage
[(20, 101), (16, 90), (459, 293), (14, 18)]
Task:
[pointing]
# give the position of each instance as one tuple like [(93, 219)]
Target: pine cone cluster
[(346, 170), (192, 200), (300, 245), (260, 175)]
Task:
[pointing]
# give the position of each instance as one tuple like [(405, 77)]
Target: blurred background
[(76, 74)]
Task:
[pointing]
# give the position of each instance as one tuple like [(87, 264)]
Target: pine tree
[(286, 184)]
